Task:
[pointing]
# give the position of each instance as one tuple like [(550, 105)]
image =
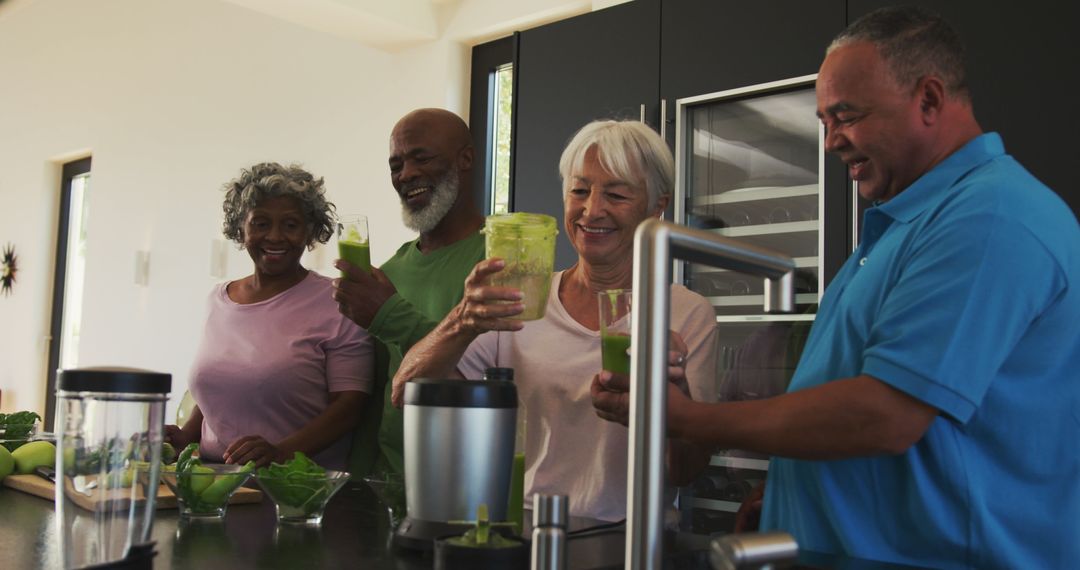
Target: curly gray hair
[(269, 180)]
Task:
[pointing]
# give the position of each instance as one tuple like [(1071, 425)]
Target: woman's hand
[(176, 437), (485, 307), (254, 448)]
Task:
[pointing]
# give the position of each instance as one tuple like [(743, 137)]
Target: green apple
[(168, 453), (33, 455), (7, 463), (201, 478)]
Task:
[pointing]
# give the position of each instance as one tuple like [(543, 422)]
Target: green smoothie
[(515, 512), (613, 352), (358, 254)]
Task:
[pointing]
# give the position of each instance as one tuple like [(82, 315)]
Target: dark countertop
[(355, 532)]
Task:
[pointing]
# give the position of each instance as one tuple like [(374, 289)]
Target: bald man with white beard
[(431, 159)]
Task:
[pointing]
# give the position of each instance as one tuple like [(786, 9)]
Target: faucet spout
[(656, 244)]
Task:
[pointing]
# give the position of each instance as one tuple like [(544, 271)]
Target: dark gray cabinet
[(600, 65)]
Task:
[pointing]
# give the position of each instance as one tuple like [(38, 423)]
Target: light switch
[(142, 268), (219, 257)]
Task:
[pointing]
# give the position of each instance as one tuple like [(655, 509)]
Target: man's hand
[(749, 515), (611, 392), (362, 294)]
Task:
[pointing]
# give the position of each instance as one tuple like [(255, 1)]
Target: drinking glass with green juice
[(353, 245), (615, 329)]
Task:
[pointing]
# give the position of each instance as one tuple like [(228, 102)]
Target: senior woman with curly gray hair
[(616, 174), (279, 369)]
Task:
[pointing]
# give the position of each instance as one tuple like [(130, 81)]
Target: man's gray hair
[(626, 149), (915, 43)]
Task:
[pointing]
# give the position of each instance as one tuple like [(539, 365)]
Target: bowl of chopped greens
[(203, 491), (300, 488)]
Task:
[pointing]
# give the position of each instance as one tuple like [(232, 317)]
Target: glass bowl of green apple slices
[(203, 490)]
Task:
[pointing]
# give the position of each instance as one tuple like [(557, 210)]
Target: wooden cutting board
[(41, 487)]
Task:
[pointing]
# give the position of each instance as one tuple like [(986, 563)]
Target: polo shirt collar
[(932, 186)]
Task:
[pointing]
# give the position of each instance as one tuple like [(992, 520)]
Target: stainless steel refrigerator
[(750, 165)]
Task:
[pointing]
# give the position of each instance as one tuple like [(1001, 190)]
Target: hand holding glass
[(615, 331), (353, 246)]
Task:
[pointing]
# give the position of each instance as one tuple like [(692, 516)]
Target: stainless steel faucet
[(656, 243)]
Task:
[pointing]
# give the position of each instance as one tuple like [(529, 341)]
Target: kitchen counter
[(355, 532)]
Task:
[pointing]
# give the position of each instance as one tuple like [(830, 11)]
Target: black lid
[(461, 393), (115, 380), (449, 556), (497, 373)]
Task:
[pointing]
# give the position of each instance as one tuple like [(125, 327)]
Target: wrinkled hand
[(749, 515), (485, 307), (362, 294), (254, 448), (611, 392), (175, 436)]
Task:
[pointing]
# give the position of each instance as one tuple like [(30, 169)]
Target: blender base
[(417, 534)]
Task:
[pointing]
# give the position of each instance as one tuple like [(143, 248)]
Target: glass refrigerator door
[(749, 167)]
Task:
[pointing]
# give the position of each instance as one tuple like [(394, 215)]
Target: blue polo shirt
[(965, 294)]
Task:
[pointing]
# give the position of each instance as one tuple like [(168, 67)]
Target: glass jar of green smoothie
[(526, 242)]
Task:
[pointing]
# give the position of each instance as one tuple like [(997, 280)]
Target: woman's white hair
[(626, 149)]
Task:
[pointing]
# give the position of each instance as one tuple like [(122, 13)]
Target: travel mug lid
[(461, 393), (115, 380), (499, 373)]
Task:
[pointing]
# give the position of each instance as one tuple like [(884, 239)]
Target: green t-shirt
[(428, 286)]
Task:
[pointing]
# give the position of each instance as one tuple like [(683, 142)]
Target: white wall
[(172, 99)]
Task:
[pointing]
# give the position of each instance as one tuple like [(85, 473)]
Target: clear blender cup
[(527, 243), (108, 461)]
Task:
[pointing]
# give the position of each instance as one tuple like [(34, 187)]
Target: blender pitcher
[(526, 242), (108, 462)]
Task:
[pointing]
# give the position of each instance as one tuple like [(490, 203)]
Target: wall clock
[(7, 270)]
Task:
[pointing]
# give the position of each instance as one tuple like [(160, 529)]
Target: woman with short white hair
[(616, 174)]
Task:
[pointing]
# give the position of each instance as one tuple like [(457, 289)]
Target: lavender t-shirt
[(268, 368)]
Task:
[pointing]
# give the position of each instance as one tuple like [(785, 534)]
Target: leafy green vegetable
[(299, 484), (17, 426)]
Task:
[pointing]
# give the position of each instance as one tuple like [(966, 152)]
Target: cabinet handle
[(642, 118), (663, 119)]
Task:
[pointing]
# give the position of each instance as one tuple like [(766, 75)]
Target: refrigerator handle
[(663, 119), (641, 119)]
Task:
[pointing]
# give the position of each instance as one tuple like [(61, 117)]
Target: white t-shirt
[(569, 450)]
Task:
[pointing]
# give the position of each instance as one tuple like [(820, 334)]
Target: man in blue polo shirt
[(934, 417)]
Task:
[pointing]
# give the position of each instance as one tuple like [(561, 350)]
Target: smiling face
[(275, 235), (426, 161), (874, 125), (601, 212)]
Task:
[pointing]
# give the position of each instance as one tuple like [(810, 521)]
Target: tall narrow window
[(503, 88), (491, 108), (69, 275)]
